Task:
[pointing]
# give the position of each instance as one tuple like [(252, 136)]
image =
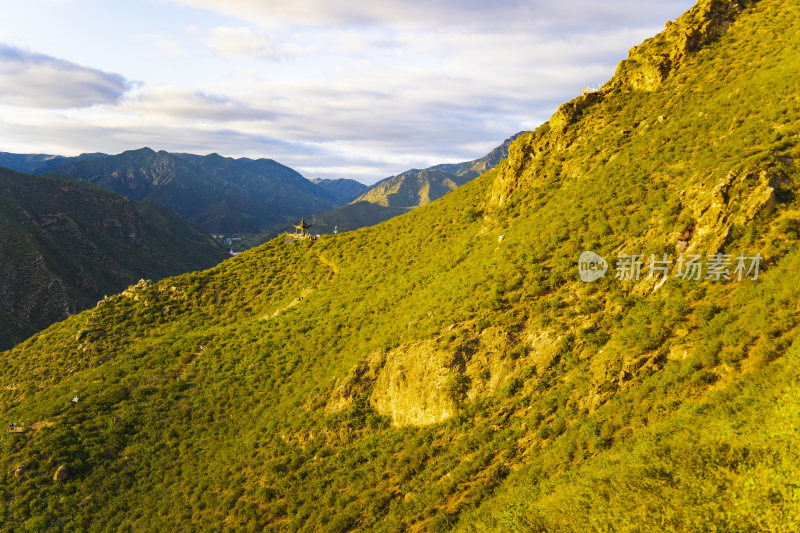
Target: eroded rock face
[(359, 380), (20, 469), (423, 382), (412, 387), (649, 64), (736, 199)]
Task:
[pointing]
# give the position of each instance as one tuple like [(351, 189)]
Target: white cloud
[(242, 42), (170, 46), (470, 89), (34, 80), (179, 103), (334, 89), (500, 15)]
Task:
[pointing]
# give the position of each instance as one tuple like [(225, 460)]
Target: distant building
[(301, 230)]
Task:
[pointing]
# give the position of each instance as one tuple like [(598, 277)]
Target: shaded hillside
[(354, 216), (448, 369), (344, 190), (221, 195), (64, 246), (39, 163), (280, 188)]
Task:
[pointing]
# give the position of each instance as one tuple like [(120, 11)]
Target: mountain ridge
[(38, 164), (415, 187), (395, 195), (346, 190), (222, 195)]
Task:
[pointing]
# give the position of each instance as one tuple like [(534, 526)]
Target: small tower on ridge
[(301, 229)]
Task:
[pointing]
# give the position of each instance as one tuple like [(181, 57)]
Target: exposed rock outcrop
[(649, 64), (646, 68), (423, 382), (61, 474), (734, 201), (412, 388), (359, 380)]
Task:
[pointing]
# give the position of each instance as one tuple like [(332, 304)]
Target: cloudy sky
[(332, 88)]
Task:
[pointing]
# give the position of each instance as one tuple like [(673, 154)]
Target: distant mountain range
[(64, 245), (225, 195), (39, 163), (415, 187), (68, 238), (398, 194), (219, 194)]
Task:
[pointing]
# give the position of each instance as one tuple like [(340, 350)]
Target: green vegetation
[(446, 369)]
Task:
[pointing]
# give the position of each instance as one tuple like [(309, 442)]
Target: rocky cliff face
[(735, 201), (649, 63), (647, 67), (424, 382)]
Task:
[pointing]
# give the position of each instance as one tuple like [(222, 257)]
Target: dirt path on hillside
[(328, 263), (306, 292)]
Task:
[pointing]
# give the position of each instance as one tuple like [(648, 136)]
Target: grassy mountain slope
[(412, 189), (447, 369), (64, 246)]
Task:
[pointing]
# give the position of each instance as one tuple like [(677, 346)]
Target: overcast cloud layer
[(35, 80), (333, 89)]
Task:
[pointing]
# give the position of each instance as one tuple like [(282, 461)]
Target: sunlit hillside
[(448, 369)]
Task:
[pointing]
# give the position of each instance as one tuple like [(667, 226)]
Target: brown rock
[(62, 474)]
